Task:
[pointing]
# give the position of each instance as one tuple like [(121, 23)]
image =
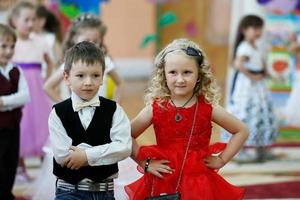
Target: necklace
[(178, 117)]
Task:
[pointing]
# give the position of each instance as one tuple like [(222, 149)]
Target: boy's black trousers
[(9, 156)]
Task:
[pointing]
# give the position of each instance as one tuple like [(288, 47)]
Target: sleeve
[(19, 98), (244, 50), (120, 146), (59, 138), (109, 64)]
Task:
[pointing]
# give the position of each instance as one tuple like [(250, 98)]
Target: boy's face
[(84, 79), (7, 49)]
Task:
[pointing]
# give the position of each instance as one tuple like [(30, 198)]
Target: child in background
[(48, 28), (85, 166), (250, 99), (86, 27), (292, 115), (181, 103), (30, 53), (13, 95)]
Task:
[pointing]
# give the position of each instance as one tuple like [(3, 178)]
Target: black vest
[(97, 133), (11, 118)]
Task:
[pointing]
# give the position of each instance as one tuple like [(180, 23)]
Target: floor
[(285, 168)]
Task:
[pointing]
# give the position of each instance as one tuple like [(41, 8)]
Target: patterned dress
[(29, 55), (250, 101)]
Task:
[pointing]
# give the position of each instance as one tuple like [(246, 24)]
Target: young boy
[(89, 134), (14, 94)]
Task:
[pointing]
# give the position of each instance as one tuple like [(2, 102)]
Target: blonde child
[(30, 53), (13, 95), (250, 100), (181, 103), (89, 133)]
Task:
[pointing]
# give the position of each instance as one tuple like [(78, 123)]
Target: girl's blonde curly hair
[(206, 85)]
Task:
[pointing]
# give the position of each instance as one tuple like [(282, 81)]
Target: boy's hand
[(257, 77), (214, 162), (76, 159)]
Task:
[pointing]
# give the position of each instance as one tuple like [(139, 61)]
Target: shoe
[(244, 157), (23, 178), (264, 155)]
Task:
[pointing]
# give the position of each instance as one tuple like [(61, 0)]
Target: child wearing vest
[(14, 94), (89, 133)]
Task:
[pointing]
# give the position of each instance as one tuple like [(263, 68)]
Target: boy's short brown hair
[(86, 52), (7, 32)]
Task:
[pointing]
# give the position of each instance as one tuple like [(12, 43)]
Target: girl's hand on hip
[(214, 162), (158, 167)]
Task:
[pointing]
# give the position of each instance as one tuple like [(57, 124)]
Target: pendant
[(178, 117)]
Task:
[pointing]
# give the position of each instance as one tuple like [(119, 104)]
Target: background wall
[(128, 22), (212, 22)]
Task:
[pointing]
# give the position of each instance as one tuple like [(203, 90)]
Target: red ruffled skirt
[(198, 181)]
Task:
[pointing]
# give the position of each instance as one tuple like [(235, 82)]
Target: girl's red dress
[(198, 181)]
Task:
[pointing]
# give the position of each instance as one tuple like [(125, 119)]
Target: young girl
[(249, 99), (48, 28), (86, 27), (30, 53), (181, 104)]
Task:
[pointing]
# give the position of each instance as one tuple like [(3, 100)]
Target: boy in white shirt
[(89, 134), (14, 94)]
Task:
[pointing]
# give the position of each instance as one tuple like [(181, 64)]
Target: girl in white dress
[(249, 95)]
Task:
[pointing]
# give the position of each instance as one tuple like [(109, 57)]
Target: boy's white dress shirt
[(120, 134)]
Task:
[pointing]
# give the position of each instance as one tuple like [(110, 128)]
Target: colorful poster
[(281, 31)]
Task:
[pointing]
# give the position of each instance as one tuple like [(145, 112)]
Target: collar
[(76, 99), (6, 69)]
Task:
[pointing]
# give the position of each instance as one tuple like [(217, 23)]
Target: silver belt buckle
[(94, 187)]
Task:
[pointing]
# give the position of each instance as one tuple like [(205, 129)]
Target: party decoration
[(282, 26), (160, 1), (70, 11), (191, 29), (73, 8), (263, 1), (279, 65), (167, 19), (164, 20), (281, 7), (148, 39)]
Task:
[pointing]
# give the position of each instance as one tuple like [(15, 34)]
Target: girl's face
[(90, 35), (7, 49), (252, 33), (25, 21), (39, 24), (181, 74)]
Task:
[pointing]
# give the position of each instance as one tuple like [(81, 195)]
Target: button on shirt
[(120, 134), (19, 98)]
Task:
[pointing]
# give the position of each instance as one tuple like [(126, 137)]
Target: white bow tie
[(93, 103)]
